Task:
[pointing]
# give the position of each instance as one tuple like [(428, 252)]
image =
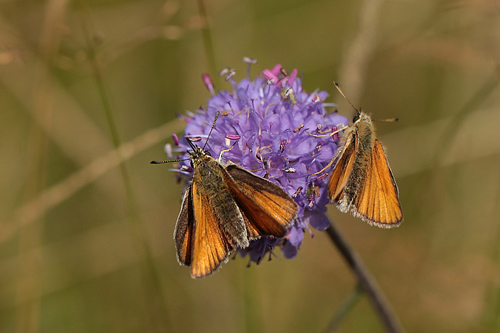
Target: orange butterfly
[(224, 208), (362, 181)]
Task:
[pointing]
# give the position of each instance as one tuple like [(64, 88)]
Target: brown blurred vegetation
[(86, 231)]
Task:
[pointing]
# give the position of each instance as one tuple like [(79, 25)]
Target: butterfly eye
[(356, 118), (208, 153)]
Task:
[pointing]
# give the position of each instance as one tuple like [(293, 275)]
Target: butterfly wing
[(183, 232), (377, 199), (268, 209), (343, 168), (211, 244)]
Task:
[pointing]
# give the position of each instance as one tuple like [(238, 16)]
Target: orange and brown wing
[(377, 199), (343, 168), (210, 244), (267, 208), (183, 232)]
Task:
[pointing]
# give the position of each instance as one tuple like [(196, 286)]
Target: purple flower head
[(273, 128)]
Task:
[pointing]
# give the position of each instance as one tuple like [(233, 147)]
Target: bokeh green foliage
[(86, 244)]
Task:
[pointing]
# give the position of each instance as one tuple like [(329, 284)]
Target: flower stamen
[(297, 129), (297, 192), (282, 146)]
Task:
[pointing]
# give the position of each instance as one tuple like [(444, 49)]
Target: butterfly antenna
[(166, 161), (213, 125), (176, 160), (347, 99)]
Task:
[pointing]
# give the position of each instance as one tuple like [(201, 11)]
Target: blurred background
[(86, 236)]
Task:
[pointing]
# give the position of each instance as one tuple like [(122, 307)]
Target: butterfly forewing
[(343, 168), (377, 199), (268, 208), (211, 245)]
